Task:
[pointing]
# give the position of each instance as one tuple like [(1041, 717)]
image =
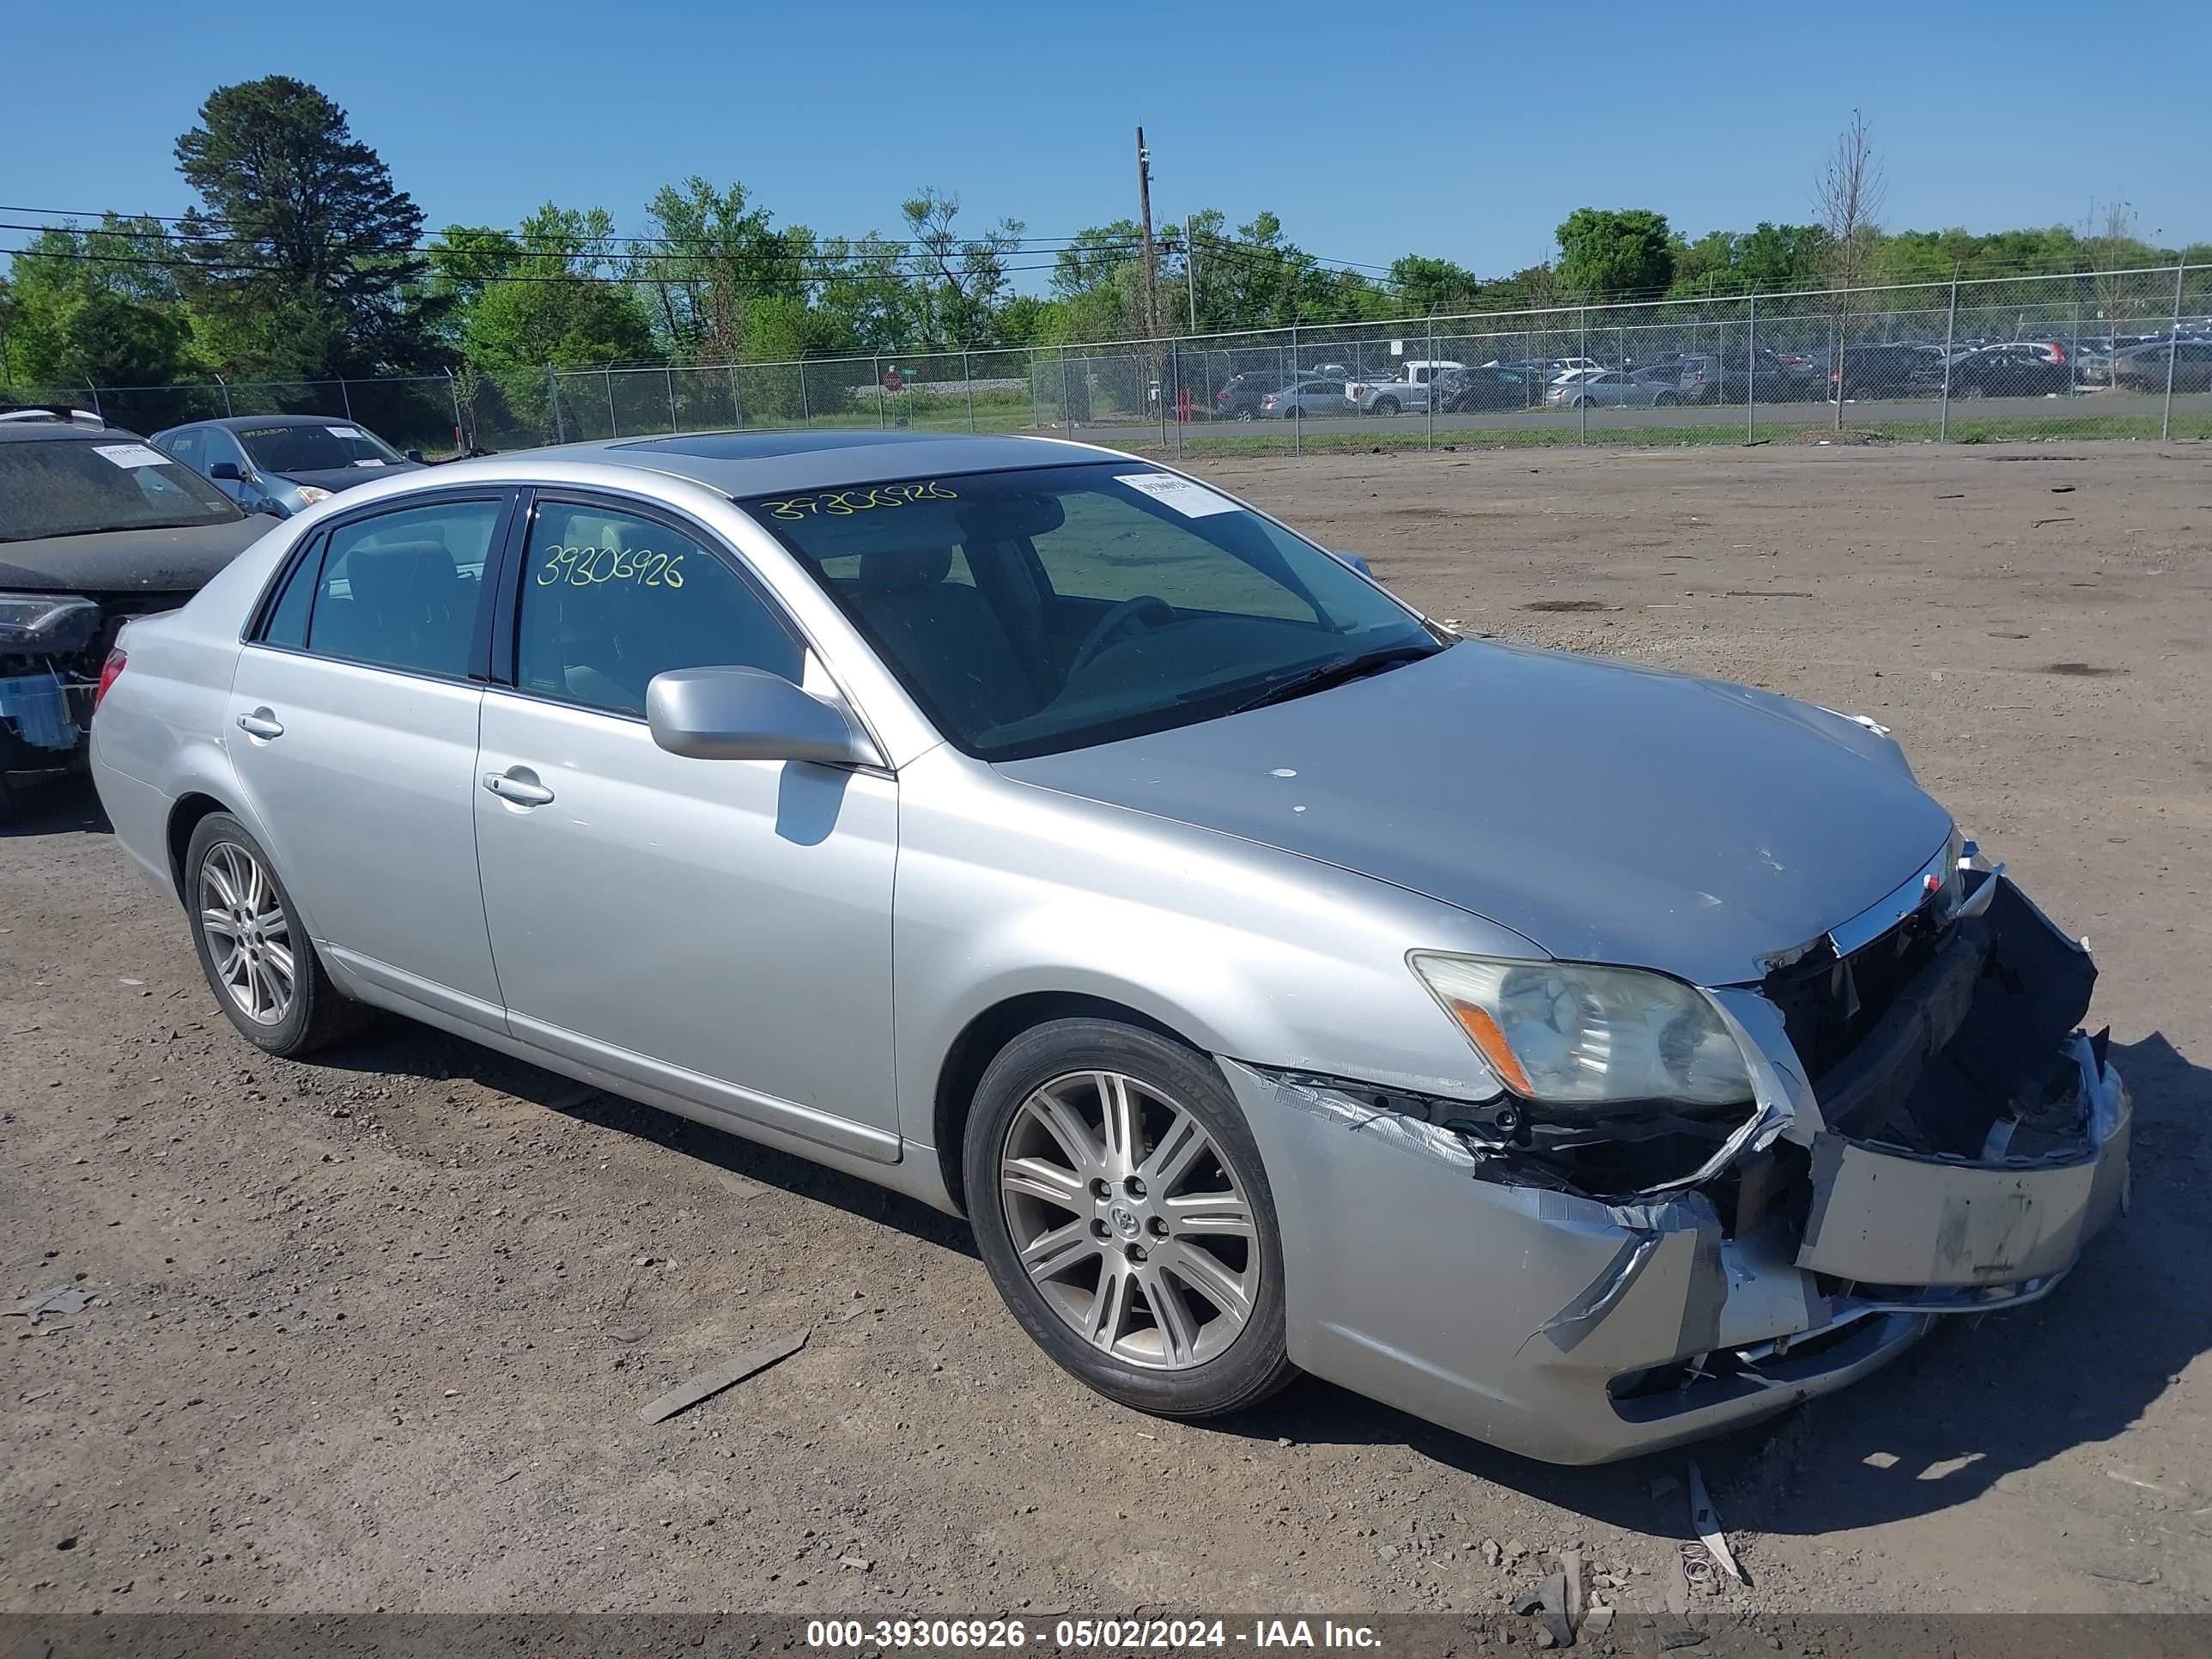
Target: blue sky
[(1463, 131)]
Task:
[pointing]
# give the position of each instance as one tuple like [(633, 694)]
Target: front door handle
[(520, 786), (261, 723)]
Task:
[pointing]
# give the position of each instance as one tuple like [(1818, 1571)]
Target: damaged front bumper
[(1957, 1163)]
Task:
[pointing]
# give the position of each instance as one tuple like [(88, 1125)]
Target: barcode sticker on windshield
[(132, 454), (1191, 498), (343, 431)]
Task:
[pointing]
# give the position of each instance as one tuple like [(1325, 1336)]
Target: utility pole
[(1145, 208)]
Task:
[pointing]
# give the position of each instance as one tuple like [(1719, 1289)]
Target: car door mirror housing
[(225, 473), (1355, 561), (749, 714)]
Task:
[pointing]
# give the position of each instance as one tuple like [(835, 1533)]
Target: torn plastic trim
[(1401, 1119), (1646, 1228)]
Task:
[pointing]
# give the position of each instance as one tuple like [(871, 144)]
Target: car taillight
[(2058, 354), (110, 672)]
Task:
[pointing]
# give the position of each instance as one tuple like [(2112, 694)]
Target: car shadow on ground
[(1980, 1398), (396, 1047)]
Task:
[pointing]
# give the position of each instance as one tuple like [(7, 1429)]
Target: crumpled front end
[(1932, 1134)]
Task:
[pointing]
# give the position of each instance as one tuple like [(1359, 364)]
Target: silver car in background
[(1585, 1057), (1306, 398), (1613, 388)]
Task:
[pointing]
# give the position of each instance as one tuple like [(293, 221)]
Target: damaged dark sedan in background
[(95, 527)]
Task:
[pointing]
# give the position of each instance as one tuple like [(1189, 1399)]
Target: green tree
[(1424, 285), (961, 280), (709, 257), (543, 295), (97, 308), (1609, 255), (301, 250)]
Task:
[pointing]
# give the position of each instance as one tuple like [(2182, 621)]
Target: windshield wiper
[(1324, 675)]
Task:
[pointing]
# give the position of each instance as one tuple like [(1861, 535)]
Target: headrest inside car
[(401, 573), (894, 568)]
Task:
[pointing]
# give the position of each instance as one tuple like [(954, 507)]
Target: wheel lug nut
[(1102, 1229), (1101, 1191), (1159, 1227), (1136, 1253), (1134, 1187)]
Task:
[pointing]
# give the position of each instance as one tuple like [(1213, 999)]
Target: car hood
[(128, 561), (1604, 811), (345, 477)]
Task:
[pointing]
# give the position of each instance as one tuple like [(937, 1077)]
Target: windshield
[(317, 448), (1051, 608), (67, 487)]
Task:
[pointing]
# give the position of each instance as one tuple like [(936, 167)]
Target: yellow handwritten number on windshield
[(843, 503)]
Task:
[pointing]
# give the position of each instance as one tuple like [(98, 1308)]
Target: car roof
[(760, 463), (240, 422), (18, 432)]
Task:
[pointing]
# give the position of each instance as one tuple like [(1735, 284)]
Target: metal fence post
[(345, 397), (461, 443), (805, 409), (1066, 417), (225, 385), (614, 426), (968, 383), (2074, 351), (553, 402), (1297, 418), (94, 390), (1582, 404), (875, 369), (1950, 333), (1432, 377), (1175, 370), (2173, 349), (737, 404), (670, 374), (1751, 376)]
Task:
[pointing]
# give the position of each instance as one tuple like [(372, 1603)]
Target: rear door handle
[(519, 786), (261, 723)]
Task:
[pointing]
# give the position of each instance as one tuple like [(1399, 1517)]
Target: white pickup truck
[(1409, 391)]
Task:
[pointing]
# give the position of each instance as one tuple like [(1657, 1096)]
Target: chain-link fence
[(412, 412), (2104, 354)]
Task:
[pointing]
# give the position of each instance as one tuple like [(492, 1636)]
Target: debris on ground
[(58, 1304), (1678, 1587), (1707, 1522), (707, 1383), (1492, 1552)]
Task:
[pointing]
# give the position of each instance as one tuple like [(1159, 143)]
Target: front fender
[(1007, 889)]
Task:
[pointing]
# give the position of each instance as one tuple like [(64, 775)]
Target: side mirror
[(1355, 561), (748, 714), (415, 456), (225, 473)]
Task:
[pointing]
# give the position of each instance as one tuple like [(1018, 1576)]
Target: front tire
[(258, 960), (1120, 1206)]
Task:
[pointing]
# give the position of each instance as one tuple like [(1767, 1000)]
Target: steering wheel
[(1147, 608)]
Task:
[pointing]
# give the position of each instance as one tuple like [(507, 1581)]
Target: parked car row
[(98, 524)]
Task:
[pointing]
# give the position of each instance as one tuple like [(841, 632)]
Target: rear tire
[(1387, 406), (263, 968), (1664, 400), (1143, 1259)]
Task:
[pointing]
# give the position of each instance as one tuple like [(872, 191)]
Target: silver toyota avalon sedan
[(1582, 1057)]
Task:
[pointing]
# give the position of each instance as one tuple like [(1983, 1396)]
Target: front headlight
[(1565, 1034), (49, 624), (310, 494)]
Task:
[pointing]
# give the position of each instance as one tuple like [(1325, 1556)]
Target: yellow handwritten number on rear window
[(589, 566)]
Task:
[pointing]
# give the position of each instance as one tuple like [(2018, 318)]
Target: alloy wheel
[(249, 937), (1130, 1220)]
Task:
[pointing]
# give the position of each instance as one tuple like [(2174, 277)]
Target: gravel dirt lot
[(371, 1332)]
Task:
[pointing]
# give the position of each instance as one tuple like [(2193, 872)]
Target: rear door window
[(401, 590)]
